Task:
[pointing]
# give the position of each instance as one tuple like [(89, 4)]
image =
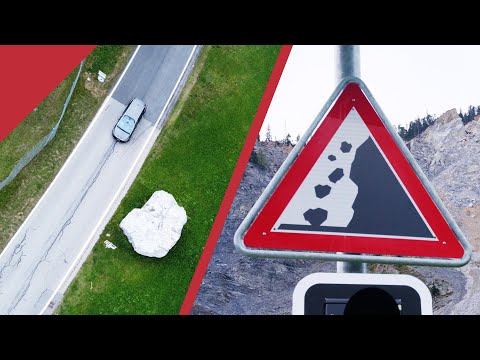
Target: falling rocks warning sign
[(351, 186)]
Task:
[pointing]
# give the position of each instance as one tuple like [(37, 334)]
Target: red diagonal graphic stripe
[(235, 180), (28, 73)]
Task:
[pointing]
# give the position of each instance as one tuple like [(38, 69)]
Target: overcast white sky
[(406, 80)]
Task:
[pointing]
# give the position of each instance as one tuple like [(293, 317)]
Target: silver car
[(129, 120)]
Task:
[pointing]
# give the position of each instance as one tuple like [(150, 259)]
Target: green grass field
[(193, 159), (19, 197)]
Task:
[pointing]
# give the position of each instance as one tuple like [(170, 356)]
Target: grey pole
[(347, 63)]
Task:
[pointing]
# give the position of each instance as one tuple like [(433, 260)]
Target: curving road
[(48, 249)]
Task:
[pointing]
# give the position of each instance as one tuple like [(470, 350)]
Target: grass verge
[(193, 159), (34, 127), (19, 197)]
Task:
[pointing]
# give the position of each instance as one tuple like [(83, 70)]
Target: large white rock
[(155, 228)]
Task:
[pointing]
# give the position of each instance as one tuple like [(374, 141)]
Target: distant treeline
[(419, 125), (285, 141), (470, 114)]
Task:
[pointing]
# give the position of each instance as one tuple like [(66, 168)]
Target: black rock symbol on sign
[(319, 215)]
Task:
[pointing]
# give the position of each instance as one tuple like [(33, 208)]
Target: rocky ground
[(449, 154)]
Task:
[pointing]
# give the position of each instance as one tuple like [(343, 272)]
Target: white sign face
[(398, 283), (339, 190), (350, 190), (327, 199)]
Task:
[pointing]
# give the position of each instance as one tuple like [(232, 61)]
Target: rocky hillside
[(449, 154)]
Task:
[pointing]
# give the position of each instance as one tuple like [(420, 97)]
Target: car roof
[(135, 108)]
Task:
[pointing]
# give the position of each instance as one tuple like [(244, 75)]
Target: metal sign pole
[(347, 63)]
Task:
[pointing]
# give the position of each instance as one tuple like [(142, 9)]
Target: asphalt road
[(149, 83), (67, 220)]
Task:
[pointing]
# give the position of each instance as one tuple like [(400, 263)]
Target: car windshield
[(126, 123)]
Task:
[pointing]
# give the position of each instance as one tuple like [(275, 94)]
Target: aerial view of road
[(67, 220)]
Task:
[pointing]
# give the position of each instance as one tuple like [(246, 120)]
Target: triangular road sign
[(351, 186)]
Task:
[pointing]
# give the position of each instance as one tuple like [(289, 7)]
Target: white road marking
[(107, 210), (73, 152)]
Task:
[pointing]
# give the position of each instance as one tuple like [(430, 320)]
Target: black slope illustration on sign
[(381, 207)]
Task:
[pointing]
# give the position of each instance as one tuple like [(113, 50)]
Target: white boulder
[(155, 228)]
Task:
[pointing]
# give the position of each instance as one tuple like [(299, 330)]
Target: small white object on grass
[(101, 76), (109, 245)]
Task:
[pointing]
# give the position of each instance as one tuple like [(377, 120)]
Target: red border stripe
[(235, 180)]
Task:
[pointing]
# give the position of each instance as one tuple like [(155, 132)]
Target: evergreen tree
[(402, 132), (268, 134), (415, 127), (288, 139), (471, 114)]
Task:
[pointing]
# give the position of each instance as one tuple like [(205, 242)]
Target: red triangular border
[(260, 236)]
